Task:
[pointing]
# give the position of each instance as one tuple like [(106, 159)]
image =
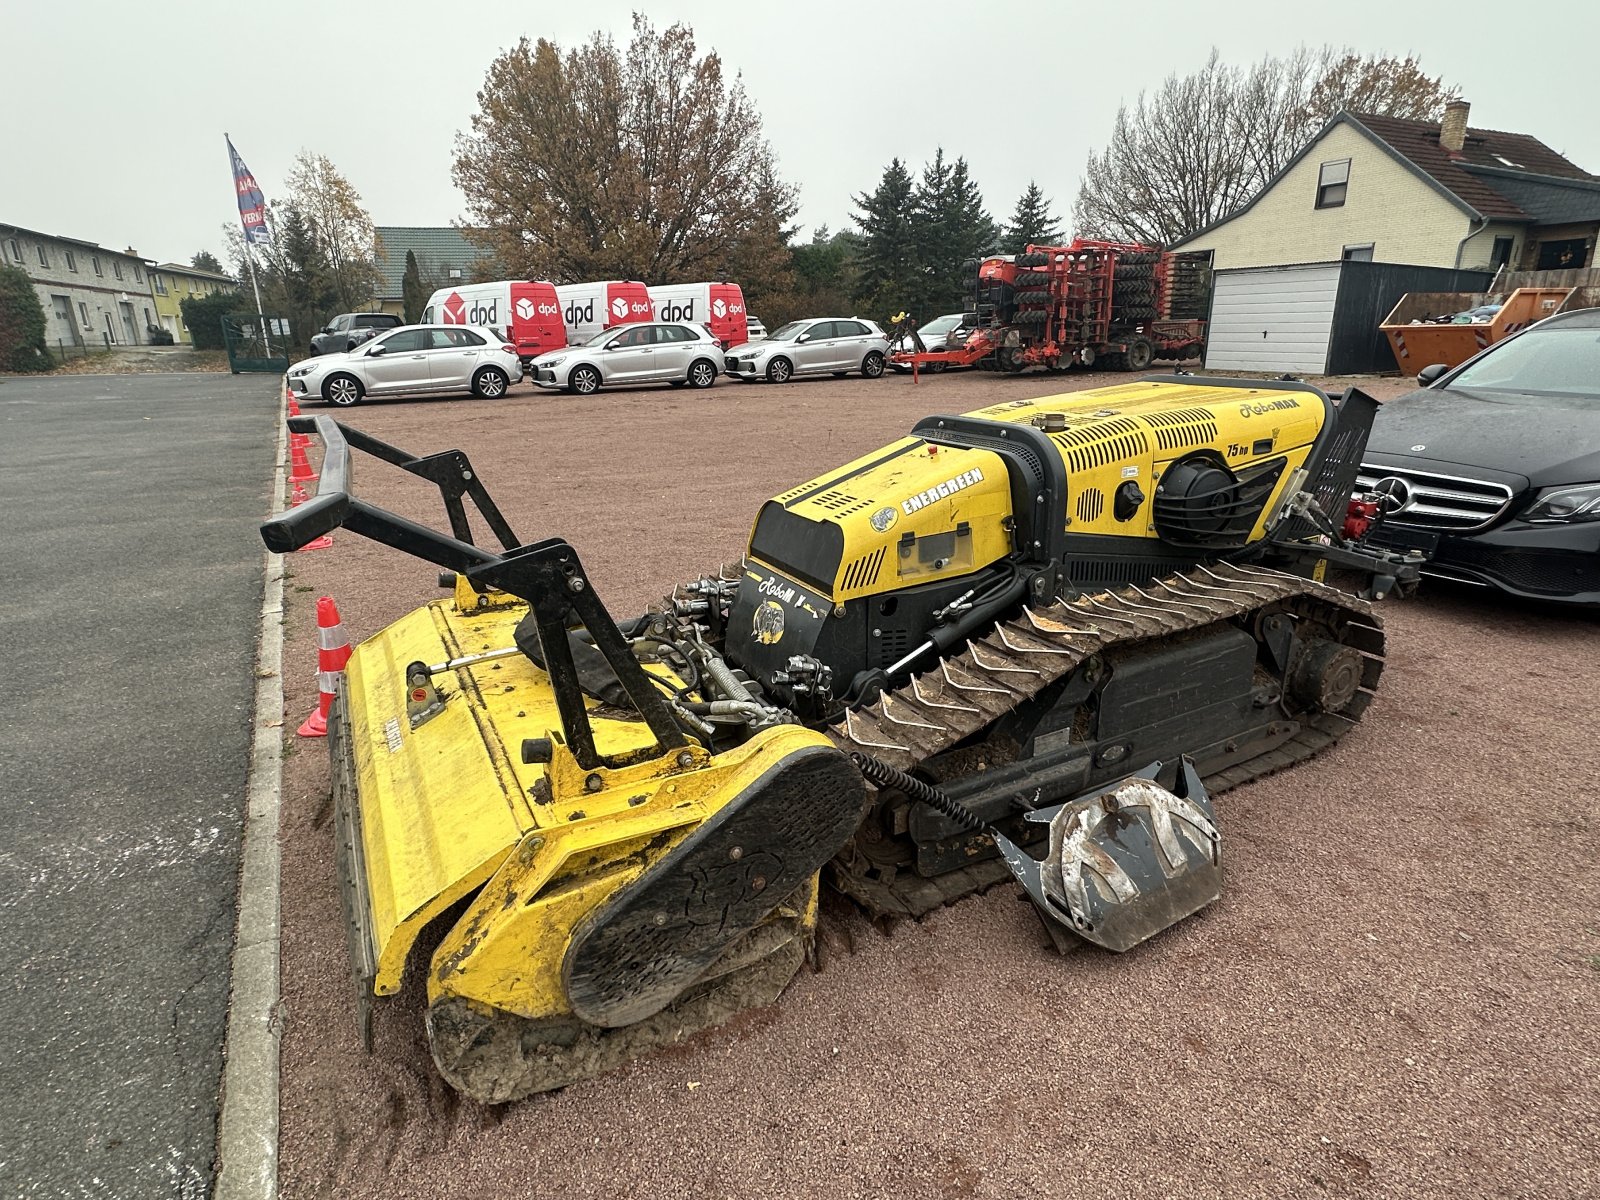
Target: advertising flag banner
[(252, 204)]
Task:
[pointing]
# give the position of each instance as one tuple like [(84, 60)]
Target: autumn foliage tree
[(322, 258), (1202, 144), (331, 207), (645, 162)]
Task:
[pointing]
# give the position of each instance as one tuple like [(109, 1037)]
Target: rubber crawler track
[(969, 691)]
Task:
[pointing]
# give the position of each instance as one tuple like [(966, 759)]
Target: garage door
[(1272, 319)]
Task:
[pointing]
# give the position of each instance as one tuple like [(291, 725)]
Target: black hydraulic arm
[(547, 574)]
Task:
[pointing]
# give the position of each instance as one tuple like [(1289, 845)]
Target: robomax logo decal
[(948, 488), (766, 626), (454, 311)]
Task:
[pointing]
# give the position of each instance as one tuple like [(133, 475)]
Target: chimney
[(1453, 129)]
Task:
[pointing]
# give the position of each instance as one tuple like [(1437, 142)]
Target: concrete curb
[(247, 1131)]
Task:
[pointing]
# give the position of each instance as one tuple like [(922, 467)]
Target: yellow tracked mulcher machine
[(1026, 642)]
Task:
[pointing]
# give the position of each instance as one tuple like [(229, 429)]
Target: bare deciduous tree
[(595, 163), (1202, 144)]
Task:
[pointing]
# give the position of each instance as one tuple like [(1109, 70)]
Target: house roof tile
[(438, 248), (1418, 141)]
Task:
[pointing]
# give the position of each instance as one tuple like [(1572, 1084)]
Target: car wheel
[(872, 365), (584, 380), (702, 373), (342, 390), (780, 370), (490, 383)]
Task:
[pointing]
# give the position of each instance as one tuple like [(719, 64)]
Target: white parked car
[(949, 332), (670, 352), (754, 329), (413, 359), (817, 346)]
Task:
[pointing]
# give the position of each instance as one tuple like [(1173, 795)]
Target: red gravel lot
[(1398, 995)]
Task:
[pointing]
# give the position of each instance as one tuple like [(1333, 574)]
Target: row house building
[(94, 296)]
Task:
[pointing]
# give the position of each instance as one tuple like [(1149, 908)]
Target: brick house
[(1436, 194), (91, 296)]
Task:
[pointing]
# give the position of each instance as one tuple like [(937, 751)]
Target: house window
[(94, 261), (1501, 254), (116, 268), (138, 273), (83, 310), (72, 263), (454, 273), (44, 259), (1332, 180), (1362, 253), (158, 283), (16, 250)]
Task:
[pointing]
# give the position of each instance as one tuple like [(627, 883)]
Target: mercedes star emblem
[(1396, 493)]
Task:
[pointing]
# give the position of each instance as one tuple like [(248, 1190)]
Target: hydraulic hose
[(981, 613), (881, 774)]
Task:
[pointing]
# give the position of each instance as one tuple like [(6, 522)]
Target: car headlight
[(1580, 502), (302, 372), (551, 362)]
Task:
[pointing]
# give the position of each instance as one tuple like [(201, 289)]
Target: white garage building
[(1315, 318)]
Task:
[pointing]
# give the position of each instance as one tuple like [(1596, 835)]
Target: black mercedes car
[(1492, 470)]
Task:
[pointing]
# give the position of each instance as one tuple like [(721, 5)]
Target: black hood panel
[(1544, 439)]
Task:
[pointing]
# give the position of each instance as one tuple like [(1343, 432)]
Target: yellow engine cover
[(956, 503)]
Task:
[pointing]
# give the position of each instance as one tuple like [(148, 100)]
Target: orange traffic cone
[(333, 651), (294, 407), (298, 496), (324, 542), (299, 439), (300, 465)]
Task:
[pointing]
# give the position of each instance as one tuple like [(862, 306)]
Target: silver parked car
[(670, 352), (412, 359), (825, 345)]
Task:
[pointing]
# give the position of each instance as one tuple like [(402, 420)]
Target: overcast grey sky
[(116, 111)]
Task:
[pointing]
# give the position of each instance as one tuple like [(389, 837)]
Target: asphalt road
[(130, 597)]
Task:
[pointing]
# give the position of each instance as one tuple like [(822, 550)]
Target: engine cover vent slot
[(1183, 428), (1091, 503), (1092, 446), (840, 503), (892, 645), (864, 571)]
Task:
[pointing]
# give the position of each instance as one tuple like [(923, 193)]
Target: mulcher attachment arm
[(547, 574)]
